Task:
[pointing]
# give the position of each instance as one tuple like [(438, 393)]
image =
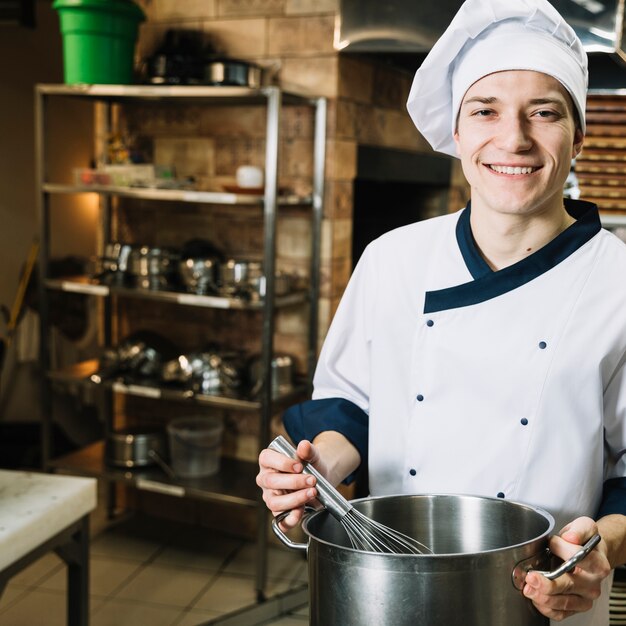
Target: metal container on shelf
[(115, 257), (283, 368), (233, 72), (134, 447), (195, 445), (199, 266), (284, 283), (238, 276), (207, 372), (199, 275), (152, 268), (139, 355)]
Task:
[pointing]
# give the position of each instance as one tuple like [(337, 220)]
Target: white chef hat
[(489, 36)]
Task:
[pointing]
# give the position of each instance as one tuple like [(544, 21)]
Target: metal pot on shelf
[(152, 268), (110, 268), (238, 276), (284, 283), (178, 60), (199, 275), (115, 257), (233, 72), (205, 372), (199, 266), (139, 355), (135, 447), (283, 370)]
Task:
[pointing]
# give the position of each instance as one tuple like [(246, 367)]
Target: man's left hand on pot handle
[(576, 591)]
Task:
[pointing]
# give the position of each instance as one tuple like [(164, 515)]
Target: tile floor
[(147, 571)]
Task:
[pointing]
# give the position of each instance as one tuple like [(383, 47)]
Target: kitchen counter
[(43, 512), (35, 507)]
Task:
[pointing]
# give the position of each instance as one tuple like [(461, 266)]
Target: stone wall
[(293, 39)]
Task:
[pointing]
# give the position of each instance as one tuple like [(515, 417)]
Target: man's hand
[(576, 591), (285, 487)]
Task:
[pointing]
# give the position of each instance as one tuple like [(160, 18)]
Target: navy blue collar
[(488, 283)]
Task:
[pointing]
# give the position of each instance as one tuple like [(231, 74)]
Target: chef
[(484, 352)]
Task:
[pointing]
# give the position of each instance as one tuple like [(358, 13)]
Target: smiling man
[(484, 352), (515, 149)]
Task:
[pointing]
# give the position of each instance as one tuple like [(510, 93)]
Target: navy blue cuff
[(310, 418), (613, 497)]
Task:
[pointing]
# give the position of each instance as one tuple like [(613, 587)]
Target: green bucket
[(98, 40)]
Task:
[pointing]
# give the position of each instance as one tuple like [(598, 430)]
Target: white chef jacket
[(508, 383)]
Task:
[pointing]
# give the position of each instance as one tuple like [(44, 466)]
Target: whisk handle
[(336, 504)]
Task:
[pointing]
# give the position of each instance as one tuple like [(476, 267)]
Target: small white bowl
[(249, 176)]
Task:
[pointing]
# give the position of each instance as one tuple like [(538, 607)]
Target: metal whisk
[(364, 533)]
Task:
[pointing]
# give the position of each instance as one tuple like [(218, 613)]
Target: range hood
[(401, 32)]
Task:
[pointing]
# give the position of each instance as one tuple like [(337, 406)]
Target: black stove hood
[(401, 32)]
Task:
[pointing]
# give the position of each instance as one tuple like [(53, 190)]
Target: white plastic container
[(195, 445)]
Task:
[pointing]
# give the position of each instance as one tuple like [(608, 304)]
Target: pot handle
[(281, 535), (524, 567)]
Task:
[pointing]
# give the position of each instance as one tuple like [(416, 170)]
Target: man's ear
[(456, 142), (577, 146)]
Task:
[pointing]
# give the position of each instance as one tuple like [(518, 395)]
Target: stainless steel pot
[(282, 376), (482, 549), (204, 372), (115, 257), (146, 261), (233, 72), (199, 275), (140, 355), (132, 447), (238, 275), (283, 284), (152, 268)]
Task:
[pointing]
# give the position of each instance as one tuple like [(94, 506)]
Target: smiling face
[(516, 136)]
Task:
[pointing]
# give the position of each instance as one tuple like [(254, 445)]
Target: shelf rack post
[(319, 160), (272, 145), (43, 214)]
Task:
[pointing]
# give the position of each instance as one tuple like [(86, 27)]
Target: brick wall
[(293, 39)]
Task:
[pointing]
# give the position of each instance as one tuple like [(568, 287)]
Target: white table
[(44, 512)]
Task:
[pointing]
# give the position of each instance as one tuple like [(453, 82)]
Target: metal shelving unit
[(614, 220), (89, 286), (82, 373), (235, 482), (177, 195)]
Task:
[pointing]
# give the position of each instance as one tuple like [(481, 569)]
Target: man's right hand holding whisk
[(286, 488)]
